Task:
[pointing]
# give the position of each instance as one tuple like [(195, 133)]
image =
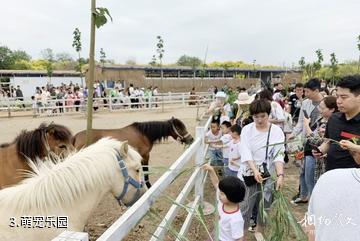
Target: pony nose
[(189, 140)]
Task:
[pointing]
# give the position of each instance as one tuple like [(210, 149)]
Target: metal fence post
[(199, 159), (110, 104), (9, 111)]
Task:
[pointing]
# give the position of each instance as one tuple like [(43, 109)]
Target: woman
[(315, 133), (261, 155), (242, 108), (277, 115), (219, 108)]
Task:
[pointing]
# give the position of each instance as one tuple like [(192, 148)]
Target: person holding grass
[(235, 149), (212, 138), (230, 192)]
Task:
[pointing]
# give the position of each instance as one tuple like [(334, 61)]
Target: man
[(296, 100), (343, 125), (310, 110), (278, 86), (335, 215), (19, 95)]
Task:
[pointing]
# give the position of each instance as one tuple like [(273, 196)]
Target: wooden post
[(91, 75)]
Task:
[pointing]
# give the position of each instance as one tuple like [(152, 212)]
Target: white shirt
[(226, 139), (277, 113), (231, 225), (235, 152), (254, 145), (213, 138), (334, 206)]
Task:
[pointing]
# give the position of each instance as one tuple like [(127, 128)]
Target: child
[(212, 138), (288, 125), (288, 128), (230, 191), (226, 139), (234, 154)]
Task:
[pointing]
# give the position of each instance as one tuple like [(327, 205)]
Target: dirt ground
[(162, 156)]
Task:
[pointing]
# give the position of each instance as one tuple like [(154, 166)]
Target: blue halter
[(128, 180)]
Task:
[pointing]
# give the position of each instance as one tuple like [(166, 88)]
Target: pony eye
[(62, 147)]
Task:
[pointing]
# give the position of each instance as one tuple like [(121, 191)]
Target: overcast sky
[(270, 31)]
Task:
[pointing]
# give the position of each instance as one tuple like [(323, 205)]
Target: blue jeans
[(307, 177), (216, 157), (230, 173)]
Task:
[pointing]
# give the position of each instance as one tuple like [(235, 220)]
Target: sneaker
[(252, 229), (298, 201), (295, 197)]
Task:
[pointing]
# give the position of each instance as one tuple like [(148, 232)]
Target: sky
[(271, 32)]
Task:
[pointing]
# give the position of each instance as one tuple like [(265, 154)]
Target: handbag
[(249, 179)]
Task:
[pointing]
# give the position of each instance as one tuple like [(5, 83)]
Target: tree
[(131, 62), (48, 55), (333, 66), (6, 60), (189, 61), (317, 64), (98, 18), (63, 57), (78, 46), (102, 56), (160, 50), (302, 63), (311, 69), (153, 61), (18, 55)]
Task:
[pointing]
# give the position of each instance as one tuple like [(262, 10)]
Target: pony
[(142, 136), (60, 195), (38, 143)]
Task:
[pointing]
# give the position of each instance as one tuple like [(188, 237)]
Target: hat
[(244, 99), (220, 94)]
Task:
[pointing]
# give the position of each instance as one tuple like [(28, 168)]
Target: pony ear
[(124, 148)]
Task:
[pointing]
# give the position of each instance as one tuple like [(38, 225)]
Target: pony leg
[(145, 163), (146, 176)]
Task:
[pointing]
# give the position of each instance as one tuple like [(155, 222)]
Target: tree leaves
[(101, 16), (77, 40)]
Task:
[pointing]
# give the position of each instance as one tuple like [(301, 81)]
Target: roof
[(184, 68)]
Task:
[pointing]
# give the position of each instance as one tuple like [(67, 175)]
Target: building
[(184, 78)]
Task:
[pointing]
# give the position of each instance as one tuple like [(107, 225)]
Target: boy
[(234, 154), (225, 139), (230, 192), (212, 138)]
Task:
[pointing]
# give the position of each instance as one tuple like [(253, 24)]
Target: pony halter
[(128, 180), (182, 138)]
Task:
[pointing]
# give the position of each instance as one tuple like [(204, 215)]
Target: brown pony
[(141, 136), (39, 143)]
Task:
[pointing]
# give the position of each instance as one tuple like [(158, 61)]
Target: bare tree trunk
[(91, 74), (80, 70)]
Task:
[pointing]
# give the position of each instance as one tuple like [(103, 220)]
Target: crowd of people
[(73, 97), (249, 143)]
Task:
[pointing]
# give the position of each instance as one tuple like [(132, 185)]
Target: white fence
[(134, 214), (66, 106)]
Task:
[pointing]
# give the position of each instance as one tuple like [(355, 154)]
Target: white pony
[(61, 196)]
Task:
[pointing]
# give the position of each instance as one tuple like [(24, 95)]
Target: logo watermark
[(339, 220), (39, 222)]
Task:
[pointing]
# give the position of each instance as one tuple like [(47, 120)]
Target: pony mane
[(57, 185), (154, 130), (33, 144)]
